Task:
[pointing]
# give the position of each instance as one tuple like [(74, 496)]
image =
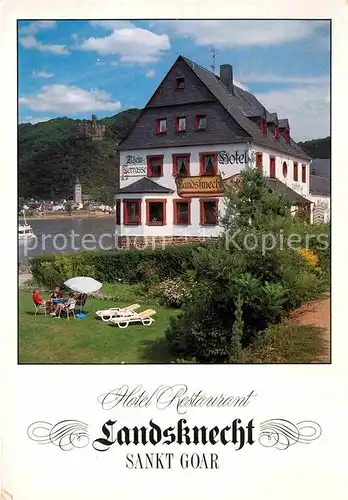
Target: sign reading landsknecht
[(201, 186)]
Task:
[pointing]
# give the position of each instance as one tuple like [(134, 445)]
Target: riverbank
[(62, 215)]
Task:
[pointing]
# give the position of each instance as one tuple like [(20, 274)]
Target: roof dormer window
[(276, 131), (180, 82)]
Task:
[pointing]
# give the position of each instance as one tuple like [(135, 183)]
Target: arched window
[(285, 169)]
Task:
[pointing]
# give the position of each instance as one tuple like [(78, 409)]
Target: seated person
[(56, 298), (81, 299), (63, 308), (56, 294), (38, 300)]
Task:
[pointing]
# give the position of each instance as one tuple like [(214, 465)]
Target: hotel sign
[(203, 186), (133, 170), (134, 160), (134, 166), (237, 157)]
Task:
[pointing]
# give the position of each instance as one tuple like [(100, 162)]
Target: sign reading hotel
[(225, 157), (202, 186)]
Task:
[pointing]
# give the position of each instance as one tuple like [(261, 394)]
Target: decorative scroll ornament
[(67, 434), (281, 434)]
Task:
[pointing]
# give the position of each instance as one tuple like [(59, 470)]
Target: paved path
[(23, 278), (317, 313)]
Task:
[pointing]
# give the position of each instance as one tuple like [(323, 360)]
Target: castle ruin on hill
[(90, 129)]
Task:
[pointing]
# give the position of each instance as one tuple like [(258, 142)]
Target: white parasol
[(83, 284)]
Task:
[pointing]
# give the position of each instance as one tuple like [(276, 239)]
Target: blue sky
[(76, 68)]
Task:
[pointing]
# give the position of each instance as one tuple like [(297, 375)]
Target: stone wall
[(140, 242)]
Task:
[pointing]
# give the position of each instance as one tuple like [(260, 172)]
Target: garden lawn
[(90, 340)]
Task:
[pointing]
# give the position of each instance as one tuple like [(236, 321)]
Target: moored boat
[(25, 231)]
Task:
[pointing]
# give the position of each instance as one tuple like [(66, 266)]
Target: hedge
[(108, 266)]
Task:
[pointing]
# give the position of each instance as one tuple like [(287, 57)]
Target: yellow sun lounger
[(145, 317), (113, 312)]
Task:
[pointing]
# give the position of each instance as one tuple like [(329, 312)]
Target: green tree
[(243, 289), (236, 353), (253, 203), (50, 157), (68, 207), (20, 204)]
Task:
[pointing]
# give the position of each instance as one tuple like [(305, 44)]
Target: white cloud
[(236, 33), (132, 44), (30, 42), (38, 119), (41, 74), (65, 99), (240, 85), (269, 78), (151, 73), (111, 25), (36, 26), (307, 108)]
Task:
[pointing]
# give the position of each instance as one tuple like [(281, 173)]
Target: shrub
[(173, 292), (131, 266), (287, 344), (236, 349), (267, 283), (309, 256), (205, 329), (192, 361)]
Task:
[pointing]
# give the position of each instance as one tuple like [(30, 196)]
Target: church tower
[(77, 191)]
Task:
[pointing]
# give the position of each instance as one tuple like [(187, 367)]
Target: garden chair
[(40, 307), (145, 317), (81, 301), (113, 312), (69, 311)]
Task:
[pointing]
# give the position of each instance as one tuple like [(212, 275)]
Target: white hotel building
[(200, 126)]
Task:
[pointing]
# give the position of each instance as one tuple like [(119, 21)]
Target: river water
[(68, 235)]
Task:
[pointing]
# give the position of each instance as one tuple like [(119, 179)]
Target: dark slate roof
[(284, 123), (289, 194), (145, 185), (319, 185), (272, 118), (241, 105), (321, 167)]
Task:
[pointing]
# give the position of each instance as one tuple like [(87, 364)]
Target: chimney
[(226, 77)]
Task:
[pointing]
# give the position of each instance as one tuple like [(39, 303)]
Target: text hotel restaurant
[(196, 127)]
